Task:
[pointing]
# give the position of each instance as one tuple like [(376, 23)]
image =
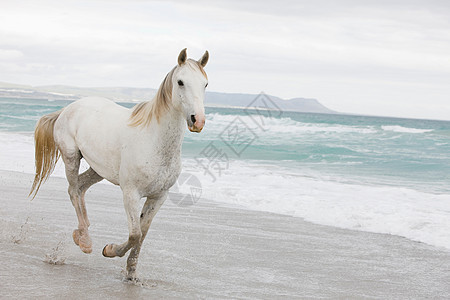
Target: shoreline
[(206, 250)]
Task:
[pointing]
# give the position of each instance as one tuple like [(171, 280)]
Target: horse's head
[(189, 82)]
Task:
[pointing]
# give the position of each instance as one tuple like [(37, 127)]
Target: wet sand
[(207, 250)]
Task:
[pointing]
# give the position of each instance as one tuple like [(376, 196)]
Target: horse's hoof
[(133, 279), (82, 240), (76, 236), (87, 250), (107, 252)]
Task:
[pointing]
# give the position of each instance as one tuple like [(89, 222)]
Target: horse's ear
[(204, 60), (182, 57)]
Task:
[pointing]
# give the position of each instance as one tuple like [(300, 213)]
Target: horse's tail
[(46, 152)]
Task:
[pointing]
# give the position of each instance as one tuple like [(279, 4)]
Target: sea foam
[(284, 124), (405, 212), (398, 128)]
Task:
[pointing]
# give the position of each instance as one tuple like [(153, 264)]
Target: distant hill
[(243, 100), (63, 92), (126, 94)]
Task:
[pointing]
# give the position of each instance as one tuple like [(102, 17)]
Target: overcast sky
[(371, 57)]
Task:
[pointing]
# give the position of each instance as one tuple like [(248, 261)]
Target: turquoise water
[(376, 174), (377, 150)]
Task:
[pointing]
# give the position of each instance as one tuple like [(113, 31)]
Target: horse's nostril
[(193, 118)]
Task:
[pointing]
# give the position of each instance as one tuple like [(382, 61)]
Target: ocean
[(375, 174)]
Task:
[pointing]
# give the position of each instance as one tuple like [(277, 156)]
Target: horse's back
[(91, 114), (94, 107)]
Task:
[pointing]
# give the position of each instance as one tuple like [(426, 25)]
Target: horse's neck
[(170, 131)]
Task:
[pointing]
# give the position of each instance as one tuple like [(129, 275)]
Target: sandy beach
[(208, 250)]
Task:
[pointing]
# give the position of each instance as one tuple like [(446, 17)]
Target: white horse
[(138, 149)]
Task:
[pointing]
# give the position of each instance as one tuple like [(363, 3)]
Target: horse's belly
[(105, 168), (102, 154)]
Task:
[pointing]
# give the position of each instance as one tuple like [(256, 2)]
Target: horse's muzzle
[(195, 129), (196, 122)]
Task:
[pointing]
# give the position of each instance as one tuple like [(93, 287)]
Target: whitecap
[(398, 128)]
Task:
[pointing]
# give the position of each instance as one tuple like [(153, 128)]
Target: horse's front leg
[(149, 211), (131, 202)]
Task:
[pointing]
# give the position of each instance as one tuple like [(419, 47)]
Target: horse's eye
[(206, 85), (180, 83)]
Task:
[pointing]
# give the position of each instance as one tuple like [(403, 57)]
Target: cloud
[(342, 52), (6, 54)]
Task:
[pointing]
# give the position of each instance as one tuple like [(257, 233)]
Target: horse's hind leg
[(85, 181), (72, 165)]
